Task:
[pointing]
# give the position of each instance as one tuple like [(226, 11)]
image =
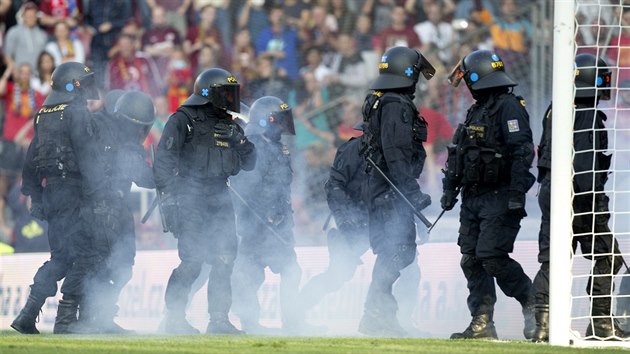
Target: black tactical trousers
[(392, 238), (486, 238), (593, 239), (206, 234), (61, 204)]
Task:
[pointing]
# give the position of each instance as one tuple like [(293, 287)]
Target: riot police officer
[(590, 140), (392, 141), (202, 146), (349, 240), (53, 175), (265, 218), (119, 161), (490, 163)]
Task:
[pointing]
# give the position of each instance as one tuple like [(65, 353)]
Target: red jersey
[(20, 110), (137, 74)]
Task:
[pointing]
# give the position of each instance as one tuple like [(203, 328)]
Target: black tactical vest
[(371, 143), (54, 154), (203, 156), (479, 157)]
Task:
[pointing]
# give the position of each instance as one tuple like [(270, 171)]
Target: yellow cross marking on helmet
[(232, 79), (284, 106), (86, 69)]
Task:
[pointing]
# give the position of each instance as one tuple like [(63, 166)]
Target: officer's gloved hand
[(229, 132), (170, 208), (449, 199), (349, 225), (421, 201), (516, 203), (37, 211)]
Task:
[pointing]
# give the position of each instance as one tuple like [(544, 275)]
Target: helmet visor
[(456, 75), (284, 119), (426, 68), (87, 84), (228, 97)]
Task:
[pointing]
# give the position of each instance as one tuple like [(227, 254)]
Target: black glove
[(170, 209), (421, 201), (37, 211), (229, 132), (516, 203), (449, 199), (105, 214)]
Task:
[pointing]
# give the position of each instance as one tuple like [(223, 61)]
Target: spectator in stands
[(131, 70), (440, 134), (254, 17), (106, 19), (348, 76), (24, 42), (380, 12), (435, 33), (243, 58), (52, 12), (363, 34), (296, 12), (41, 81), (320, 32), (281, 43), (344, 17), (478, 10), (398, 34), (315, 128), (511, 36), (176, 13), (205, 33), (207, 58), (161, 40), (350, 117), (268, 82), (619, 50), (64, 48), (179, 79), (314, 64)]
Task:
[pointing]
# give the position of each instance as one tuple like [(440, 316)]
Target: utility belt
[(68, 179)]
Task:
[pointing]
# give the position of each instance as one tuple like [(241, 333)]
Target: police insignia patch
[(513, 126), (169, 143)]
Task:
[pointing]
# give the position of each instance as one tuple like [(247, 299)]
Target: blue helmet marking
[(408, 71), (495, 57), (262, 123), (474, 77), (69, 87), (204, 92), (600, 81)]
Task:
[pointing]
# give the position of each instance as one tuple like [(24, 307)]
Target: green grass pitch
[(11, 342)]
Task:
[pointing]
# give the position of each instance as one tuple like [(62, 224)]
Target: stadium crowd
[(319, 56)]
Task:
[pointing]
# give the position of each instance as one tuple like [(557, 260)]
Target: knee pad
[(404, 255), (470, 265)]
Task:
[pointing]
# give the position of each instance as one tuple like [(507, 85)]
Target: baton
[(436, 220), (146, 216), (158, 197), (327, 221), (240, 197), (418, 214)]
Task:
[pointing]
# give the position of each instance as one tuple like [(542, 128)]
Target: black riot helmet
[(71, 80), (481, 69), (592, 77), (216, 86), (136, 114), (271, 115), (110, 100), (400, 67)]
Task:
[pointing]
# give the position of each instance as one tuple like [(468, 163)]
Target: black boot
[(66, 317), (529, 317), (375, 323), (176, 323), (481, 327), (603, 326), (220, 324), (25, 321), (542, 324)]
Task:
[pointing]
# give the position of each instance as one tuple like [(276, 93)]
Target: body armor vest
[(478, 154), (372, 109), (204, 156), (544, 148), (54, 155)]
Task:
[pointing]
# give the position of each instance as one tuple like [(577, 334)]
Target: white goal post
[(569, 302)]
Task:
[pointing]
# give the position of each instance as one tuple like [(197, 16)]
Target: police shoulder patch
[(513, 126)]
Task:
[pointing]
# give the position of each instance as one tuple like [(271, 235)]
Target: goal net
[(601, 28)]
